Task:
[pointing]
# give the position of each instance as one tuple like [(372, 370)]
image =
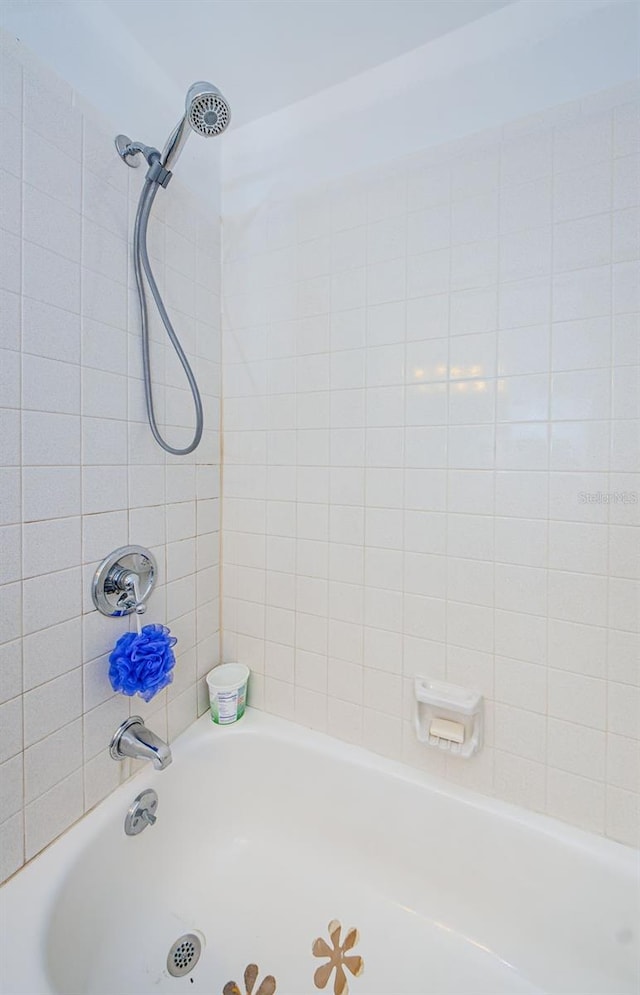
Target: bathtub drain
[(184, 955)]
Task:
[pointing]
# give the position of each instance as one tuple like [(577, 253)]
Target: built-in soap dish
[(448, 717)]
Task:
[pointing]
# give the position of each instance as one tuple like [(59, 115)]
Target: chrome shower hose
[(141, 263)]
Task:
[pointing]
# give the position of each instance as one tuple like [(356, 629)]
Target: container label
[(227, 706)]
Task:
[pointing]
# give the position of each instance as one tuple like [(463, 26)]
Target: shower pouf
[(142, 663)]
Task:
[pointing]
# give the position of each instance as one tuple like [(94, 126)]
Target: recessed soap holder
[(448, 717), (124, 580)]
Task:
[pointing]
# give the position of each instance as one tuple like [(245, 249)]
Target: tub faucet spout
[(133, 739)]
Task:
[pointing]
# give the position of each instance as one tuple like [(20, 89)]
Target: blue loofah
[(142, 663)]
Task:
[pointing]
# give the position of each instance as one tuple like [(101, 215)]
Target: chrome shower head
[(206, 109), (206, 112)]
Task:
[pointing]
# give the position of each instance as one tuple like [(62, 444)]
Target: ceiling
[(266, 54)]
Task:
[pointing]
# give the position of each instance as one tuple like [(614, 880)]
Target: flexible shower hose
[(140, 263)]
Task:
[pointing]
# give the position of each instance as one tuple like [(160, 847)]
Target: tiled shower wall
[(432, 452), (80, 474)]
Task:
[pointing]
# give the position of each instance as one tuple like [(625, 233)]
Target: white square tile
[(11, 254), (49, 653), (386, 323), (626, 181), (626, 399), (470, 447), (52, 706), (582, 243), (424, 532), (10, 304), (578, 547), (50, 331), (520, 732), (624, 551), (577, 597), (385, 407), (584, 394), (525, 302), (622, 651), (525, 205), (521, 636), (40, 610), (577, 698), (522, 446), (386, 281), (474, 264), (52, 759), (429, 229), (626, 281), (578, 497), (589, 140), (51, 278), (473, 311), (581, 649), (471, 492), (50, 386), (581, 344), (520, 781), (575, 799), (51, 224), (11, 545), (523, 685), (582, 192), (626, 235), (623, 762), (428, 273), (523, 398), (521, 494), (11, 735), (584, 293), (623, 815), (10, 670), (387, 239), (525, 254), (104, 489), (467, 581), (53, 812), (10, 202), (576, 749), (50, 492), (521, 588), (11, 790), (626, 129), (52, 544), (523, 350), (473, 357), (623, 710), (427, 184)]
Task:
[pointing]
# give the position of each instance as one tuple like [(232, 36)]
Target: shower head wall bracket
[(128, 152)]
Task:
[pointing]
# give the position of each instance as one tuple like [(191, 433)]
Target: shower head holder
[(128, 152)]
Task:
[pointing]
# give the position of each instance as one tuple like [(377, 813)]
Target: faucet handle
[(131, 585)]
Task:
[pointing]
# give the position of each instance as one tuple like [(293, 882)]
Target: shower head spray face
[(206, 110)]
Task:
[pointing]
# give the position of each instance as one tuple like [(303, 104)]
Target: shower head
[(206, 112), (206, 109)]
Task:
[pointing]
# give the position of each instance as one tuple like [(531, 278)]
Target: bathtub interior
[(261, 842)]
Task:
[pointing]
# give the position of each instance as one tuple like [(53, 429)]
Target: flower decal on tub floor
[(338, 958), (266, 987)]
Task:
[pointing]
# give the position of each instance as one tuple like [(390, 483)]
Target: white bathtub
[(266, 832)]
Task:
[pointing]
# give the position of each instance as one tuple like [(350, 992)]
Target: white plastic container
[(228, 692)]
